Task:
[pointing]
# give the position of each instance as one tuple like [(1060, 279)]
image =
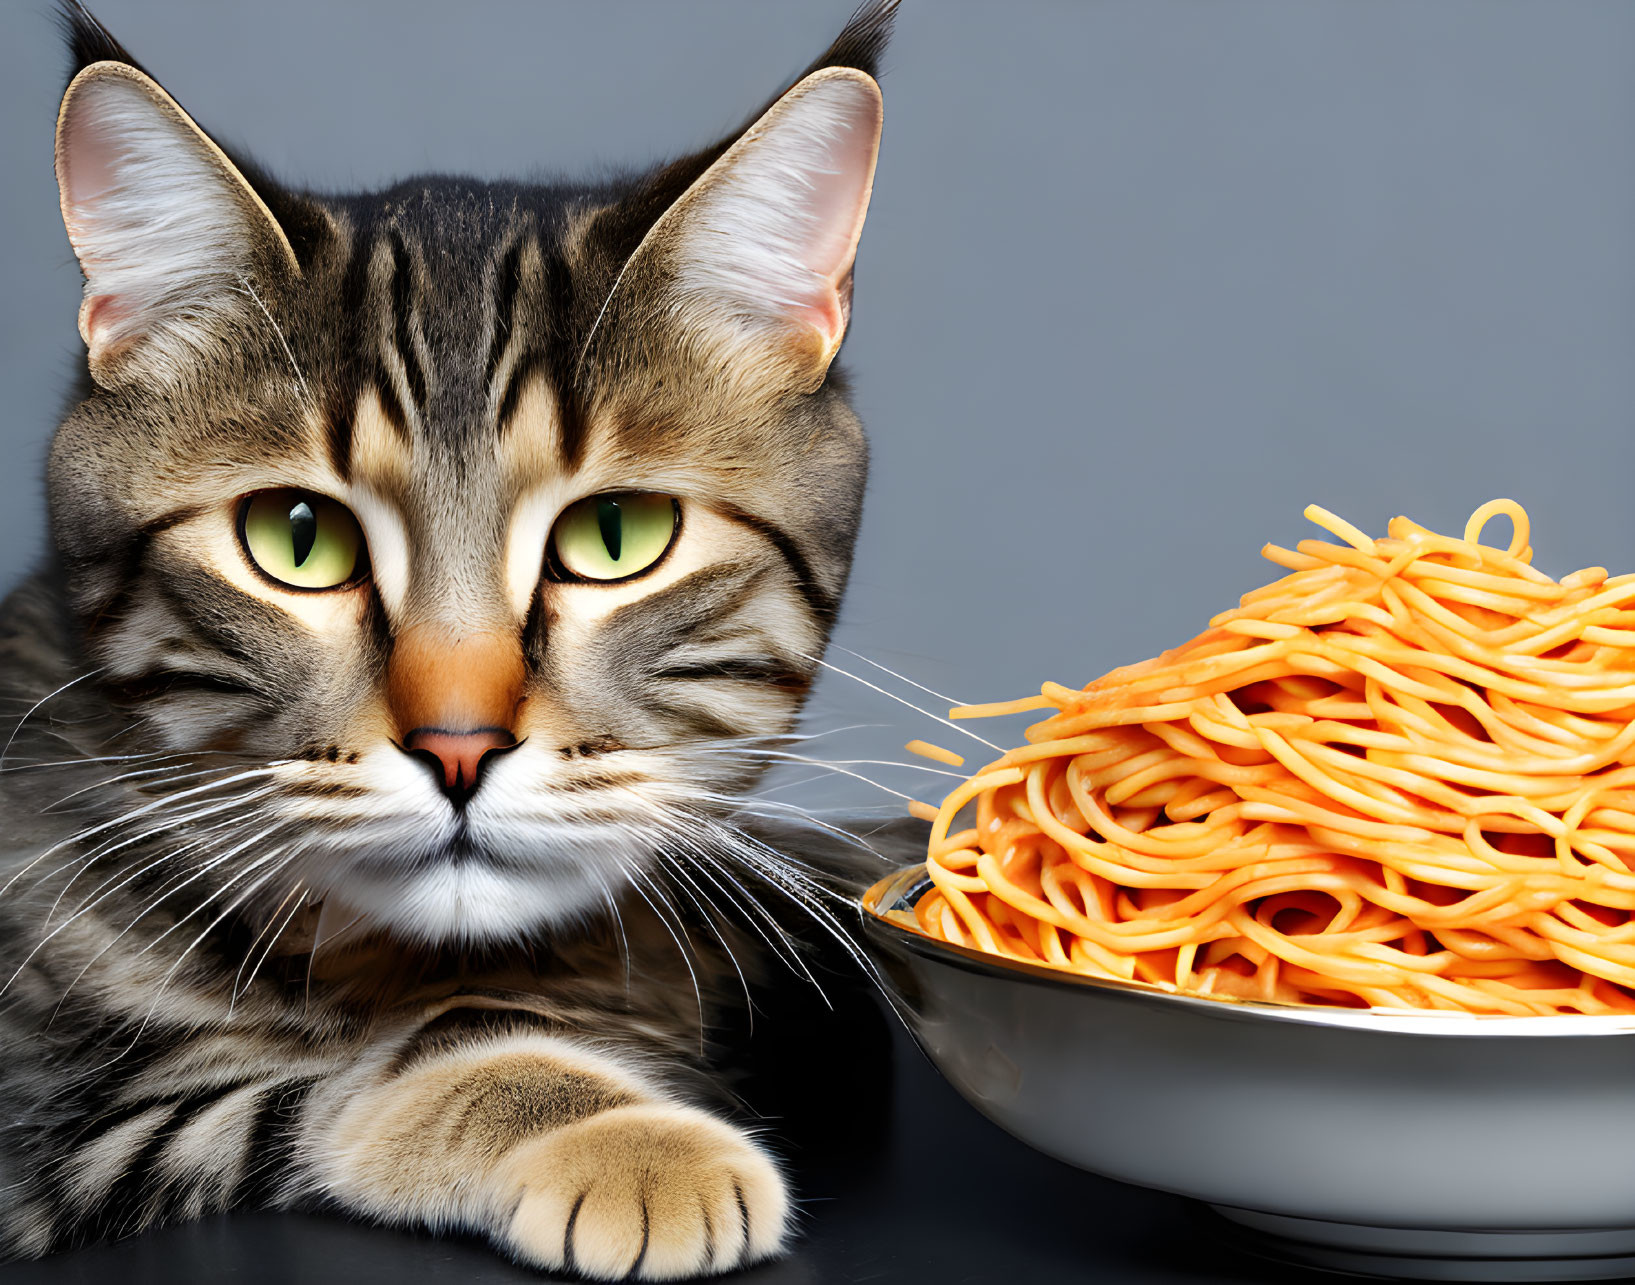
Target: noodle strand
[(1401, 775)]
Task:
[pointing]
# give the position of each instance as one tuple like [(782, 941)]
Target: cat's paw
[(652, 1192)]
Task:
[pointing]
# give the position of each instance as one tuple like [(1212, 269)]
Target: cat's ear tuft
[(863, 40), (87, 40), (168, 232), (760, 247)]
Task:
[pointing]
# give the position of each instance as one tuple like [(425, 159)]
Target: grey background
[(1140, 281)]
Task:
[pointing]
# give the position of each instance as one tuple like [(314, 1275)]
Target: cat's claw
[(652, 1192)]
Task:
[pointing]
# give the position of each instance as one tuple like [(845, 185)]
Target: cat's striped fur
[(249, 952)]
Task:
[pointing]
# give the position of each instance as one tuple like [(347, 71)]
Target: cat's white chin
[(484, 885), (463, 901)]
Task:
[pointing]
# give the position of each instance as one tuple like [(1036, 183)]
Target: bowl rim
[(886, 897)]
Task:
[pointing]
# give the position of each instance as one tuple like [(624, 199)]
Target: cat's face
[(479, 522)]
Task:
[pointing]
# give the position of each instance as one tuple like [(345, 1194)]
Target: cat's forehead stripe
[(527, 370), (530, 447), (380, 454), (403, 300), (507, 274), (537, 285)]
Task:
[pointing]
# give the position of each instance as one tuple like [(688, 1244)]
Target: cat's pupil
[(611, 524), (303, 531)]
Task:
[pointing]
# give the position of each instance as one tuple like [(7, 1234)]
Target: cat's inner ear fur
[(169, 234), (756, 256)]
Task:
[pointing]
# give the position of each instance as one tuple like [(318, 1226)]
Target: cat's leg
[(88, 1157), (563, 1156)]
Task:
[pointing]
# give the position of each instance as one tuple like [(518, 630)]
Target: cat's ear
[(167, 230), (756, 254)]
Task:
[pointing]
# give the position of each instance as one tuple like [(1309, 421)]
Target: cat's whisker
[(709, 914), (858, 776), (165, 801), (705, 862), (794, 867), (636, 879), (107, 782), (618, 923), (829, 768), (781, 946), (148, 808), (821, 915), (766, 792), (846, 673), (325, 935), (278, 330), (40, 704), (298, 894), (702, 857), (46, 764), (789, 738), (79, 863), (784, 756), (212, 864), (113, 843), (116, 882), (782, 810), (767, 860), (169, 889), (805, 891), (323, 938), (109, 887), (135, 919), (215, 923), (902, 678), (139, 774), (283, 855)]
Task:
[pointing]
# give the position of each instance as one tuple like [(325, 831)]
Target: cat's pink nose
[(456, 699), (458, 756)]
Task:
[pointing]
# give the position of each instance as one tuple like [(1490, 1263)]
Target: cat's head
[(480, 520)]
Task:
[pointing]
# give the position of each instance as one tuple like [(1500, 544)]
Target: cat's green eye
[(614, 536), (300, 539)]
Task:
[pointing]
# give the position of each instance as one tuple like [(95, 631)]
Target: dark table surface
[(898, 1180)]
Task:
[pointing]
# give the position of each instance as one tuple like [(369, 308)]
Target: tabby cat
[(431, 568)]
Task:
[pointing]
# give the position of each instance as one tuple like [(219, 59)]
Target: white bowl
[(1404, 1143)]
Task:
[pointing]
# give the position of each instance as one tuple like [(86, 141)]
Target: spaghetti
[(1403, 775)]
